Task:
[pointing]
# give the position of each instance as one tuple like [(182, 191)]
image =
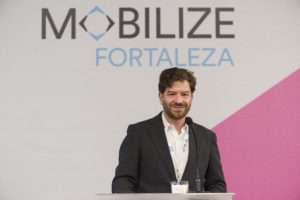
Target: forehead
[(180, 86)]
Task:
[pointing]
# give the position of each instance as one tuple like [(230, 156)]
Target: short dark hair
[(171, 75)]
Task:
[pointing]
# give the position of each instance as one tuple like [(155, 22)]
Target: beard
[(176, 114)]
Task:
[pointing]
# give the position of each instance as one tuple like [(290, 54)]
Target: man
[(165, 148)]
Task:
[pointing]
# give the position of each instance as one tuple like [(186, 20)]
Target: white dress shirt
[(178, 146)]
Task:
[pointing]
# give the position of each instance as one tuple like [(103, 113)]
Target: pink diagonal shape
[(260, 145)]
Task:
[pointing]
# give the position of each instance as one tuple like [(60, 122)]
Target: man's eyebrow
[(171, 91), (186, 91)]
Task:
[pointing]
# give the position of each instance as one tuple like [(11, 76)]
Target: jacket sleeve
[(126, 175), (214, 179)]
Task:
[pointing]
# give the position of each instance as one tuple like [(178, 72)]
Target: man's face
[(177, 100)]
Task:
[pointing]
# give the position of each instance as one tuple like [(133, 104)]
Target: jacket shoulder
[(199, 129), (148, 122)]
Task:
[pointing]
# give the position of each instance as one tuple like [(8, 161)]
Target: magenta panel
[(260, 145)]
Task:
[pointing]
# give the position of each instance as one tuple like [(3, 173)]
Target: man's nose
[(178, 99)]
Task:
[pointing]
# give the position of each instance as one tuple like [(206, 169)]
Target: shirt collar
[(168, 126)]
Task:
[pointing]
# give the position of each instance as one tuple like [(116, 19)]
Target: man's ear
[(160, 96)]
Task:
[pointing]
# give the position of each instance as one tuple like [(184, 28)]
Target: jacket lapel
[(191, 165), (158, 136)]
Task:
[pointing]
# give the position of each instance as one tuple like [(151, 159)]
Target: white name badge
[(181, 187)]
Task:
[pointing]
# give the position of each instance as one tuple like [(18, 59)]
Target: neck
[(178, 123)]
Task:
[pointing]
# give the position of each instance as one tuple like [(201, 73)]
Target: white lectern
[(166, 196)]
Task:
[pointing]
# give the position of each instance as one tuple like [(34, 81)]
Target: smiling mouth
[(178, 107)]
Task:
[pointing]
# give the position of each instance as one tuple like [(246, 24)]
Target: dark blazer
[(145, 163)]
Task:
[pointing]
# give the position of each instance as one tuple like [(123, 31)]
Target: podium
[(166, 196)]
